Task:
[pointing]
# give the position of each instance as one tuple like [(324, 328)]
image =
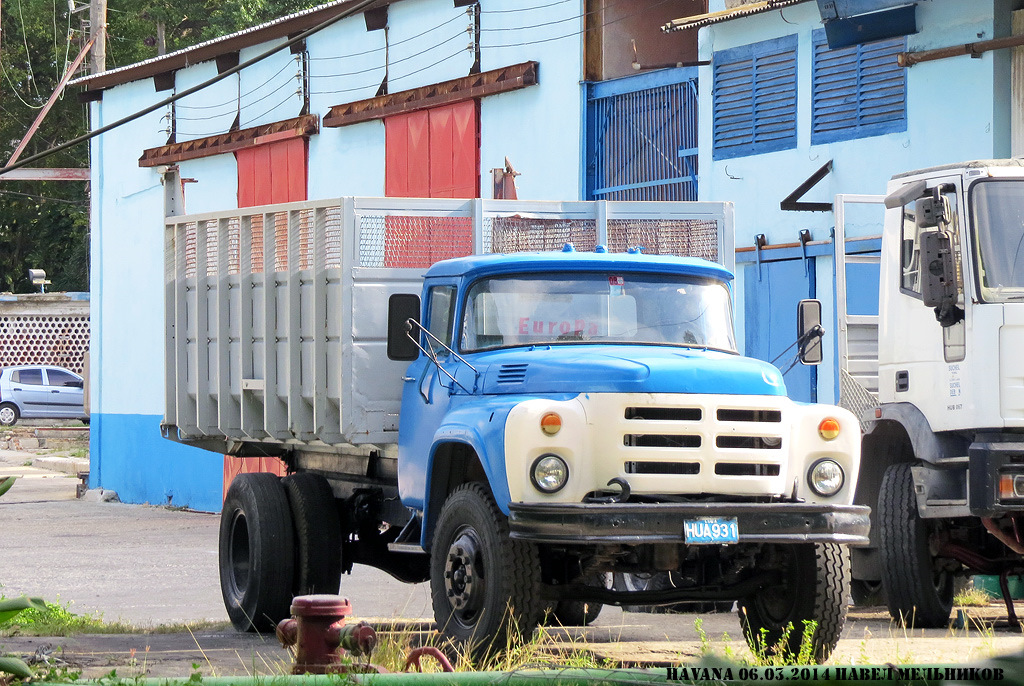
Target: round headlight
[(826, 477), (549, 473), (829, 428)]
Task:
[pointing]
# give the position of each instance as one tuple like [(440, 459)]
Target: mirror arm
[(432, 354)]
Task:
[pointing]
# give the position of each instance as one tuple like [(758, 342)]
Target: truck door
[(426, 395)]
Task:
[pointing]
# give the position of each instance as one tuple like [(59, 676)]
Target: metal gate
[(642, 137)]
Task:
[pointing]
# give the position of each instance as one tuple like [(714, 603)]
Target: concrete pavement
[(149, 565)]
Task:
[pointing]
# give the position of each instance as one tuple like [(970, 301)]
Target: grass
[(58, 620), (972, 597)]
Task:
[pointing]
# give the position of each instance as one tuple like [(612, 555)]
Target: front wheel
[(918, 585), (484, 586), (813, 583), (257, 552), (8, 414)]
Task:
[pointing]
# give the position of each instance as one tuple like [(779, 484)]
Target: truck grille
[(701, 447)]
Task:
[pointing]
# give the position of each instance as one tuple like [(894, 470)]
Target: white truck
[(943, 407)]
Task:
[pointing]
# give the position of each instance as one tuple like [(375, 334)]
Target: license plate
[(711, 530)]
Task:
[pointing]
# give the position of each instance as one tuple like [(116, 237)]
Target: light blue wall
[(956, 110), (538, 128), (127, 452)]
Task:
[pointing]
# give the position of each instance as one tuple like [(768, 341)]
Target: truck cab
[(944, 454), (570, 415)]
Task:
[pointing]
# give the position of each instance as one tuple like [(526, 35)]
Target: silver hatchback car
[(40, 391)]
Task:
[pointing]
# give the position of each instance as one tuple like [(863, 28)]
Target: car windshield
[(598, 308), (997, 216)]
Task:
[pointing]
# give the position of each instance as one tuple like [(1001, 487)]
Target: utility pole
[(98, 29)]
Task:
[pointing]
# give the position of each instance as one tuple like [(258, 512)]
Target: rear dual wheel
[(278, 538)]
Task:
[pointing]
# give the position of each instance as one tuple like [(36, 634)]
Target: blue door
[(771, 292)]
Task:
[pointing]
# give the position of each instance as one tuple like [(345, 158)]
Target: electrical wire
[(235, 101), (391, 63), (28, 53), (576, 33), (14, 89), (524, 9), (461, 15), (390, 78), (344, 14), (46, 198), (263, 114)]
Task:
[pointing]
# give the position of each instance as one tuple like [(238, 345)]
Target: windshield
[(598, 308), (997, 215)]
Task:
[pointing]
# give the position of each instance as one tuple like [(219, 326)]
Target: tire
[(257, 553), (485, 587), (317, 534), (918, 591), (575, 613), (867, 593), (814, 583), (9, 414)]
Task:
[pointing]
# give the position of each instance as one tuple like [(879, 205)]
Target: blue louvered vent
[(512, 373), (857, 91), (755, 98)]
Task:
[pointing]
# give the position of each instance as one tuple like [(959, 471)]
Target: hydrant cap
[(321, 605)]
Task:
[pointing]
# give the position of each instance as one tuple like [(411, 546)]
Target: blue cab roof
[(573, 261)]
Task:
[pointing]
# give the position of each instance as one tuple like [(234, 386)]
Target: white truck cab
[(944, 452)]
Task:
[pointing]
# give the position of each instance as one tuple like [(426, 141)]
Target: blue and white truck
[(514, 427)]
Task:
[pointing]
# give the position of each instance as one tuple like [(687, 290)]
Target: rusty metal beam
[(49, 103), (306, 125), (49, 174), (491, 82), (976, 49)]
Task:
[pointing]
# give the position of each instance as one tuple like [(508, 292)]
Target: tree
[(45, 225)]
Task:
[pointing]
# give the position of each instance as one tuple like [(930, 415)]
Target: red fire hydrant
[(317, 631)]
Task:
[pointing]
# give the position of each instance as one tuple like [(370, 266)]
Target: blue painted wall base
[(127, 454)]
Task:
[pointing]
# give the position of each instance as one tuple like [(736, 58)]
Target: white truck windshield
[(598, 308), (997, 216)]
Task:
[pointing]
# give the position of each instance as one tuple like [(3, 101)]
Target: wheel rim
[(775, 603), (238, 551), (464, 578), (6, 415)]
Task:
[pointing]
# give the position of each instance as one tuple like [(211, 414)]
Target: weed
[(57, 619), (972, 597), (79, 452)]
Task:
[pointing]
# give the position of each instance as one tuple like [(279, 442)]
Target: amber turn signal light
[(828, 428), (551, 423)]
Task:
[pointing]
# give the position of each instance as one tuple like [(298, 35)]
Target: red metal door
[(431, 153), (272, 173)]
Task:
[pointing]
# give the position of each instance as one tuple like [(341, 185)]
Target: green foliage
[(9, 609), (45, 225), (6, 483)]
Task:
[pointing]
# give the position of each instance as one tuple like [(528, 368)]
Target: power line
[(355, 9)]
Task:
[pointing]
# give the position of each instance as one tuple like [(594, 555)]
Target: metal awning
[(699, 20)]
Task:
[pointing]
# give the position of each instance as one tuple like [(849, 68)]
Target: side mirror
[(809, 331), (401, 308), (938, 271), (933, 211)]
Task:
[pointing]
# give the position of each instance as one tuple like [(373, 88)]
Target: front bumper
[(647, 523)]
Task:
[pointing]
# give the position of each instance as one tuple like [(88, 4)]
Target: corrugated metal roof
[(697, 21), (208, 50)]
